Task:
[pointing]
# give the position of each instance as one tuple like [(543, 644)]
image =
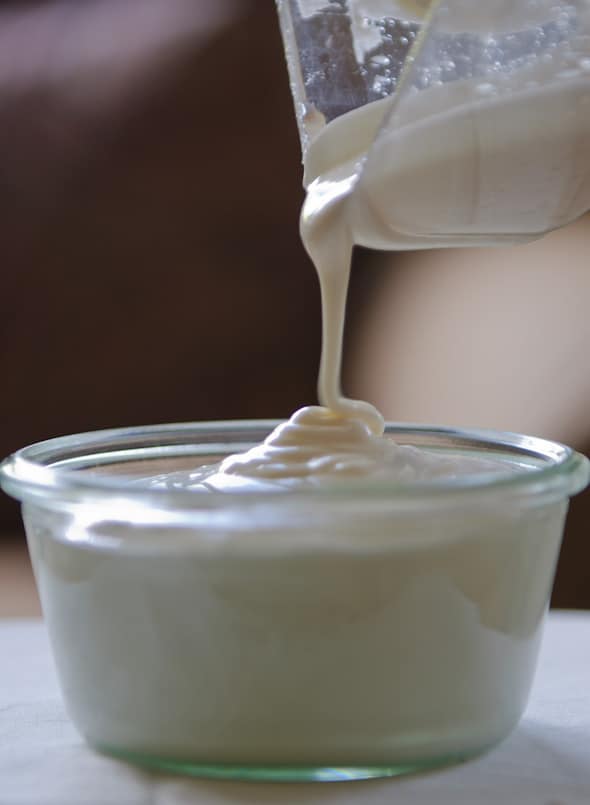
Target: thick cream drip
[(340, 437), (328, 239)]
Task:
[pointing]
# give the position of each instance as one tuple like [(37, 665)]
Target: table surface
[(545, 762)]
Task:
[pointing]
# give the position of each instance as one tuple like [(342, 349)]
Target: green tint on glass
[(279, 774)]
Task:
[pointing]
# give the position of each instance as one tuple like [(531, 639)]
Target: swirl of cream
[(314, 442), (318, 445)]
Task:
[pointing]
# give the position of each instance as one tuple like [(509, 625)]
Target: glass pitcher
[(482, 110)]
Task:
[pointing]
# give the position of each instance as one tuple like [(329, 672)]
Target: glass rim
[(42, 471)]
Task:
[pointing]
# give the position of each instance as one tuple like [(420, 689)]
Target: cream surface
[(316, 447)]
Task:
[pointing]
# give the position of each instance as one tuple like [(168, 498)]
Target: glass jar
[(353, 631)]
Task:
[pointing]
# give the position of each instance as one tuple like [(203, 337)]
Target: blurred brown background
[(151, 268)]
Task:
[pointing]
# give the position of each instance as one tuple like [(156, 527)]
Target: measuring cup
[(483, 131)]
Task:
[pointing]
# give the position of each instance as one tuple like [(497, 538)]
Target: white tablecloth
[(545, 762)]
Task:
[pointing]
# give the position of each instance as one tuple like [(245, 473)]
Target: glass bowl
[(353, 631)]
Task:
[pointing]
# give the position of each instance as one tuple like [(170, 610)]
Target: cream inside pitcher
[(454, 123)]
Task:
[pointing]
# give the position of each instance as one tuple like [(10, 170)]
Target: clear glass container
[(358, 630)]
